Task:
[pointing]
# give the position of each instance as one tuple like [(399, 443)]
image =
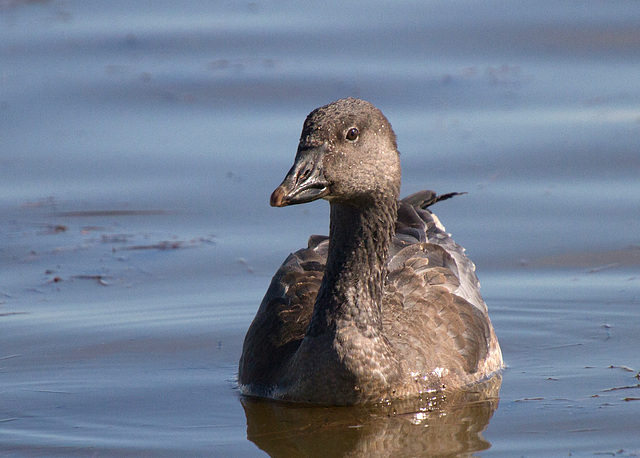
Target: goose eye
[(352, 134)]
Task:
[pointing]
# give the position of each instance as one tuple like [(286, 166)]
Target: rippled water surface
[(139, 143)]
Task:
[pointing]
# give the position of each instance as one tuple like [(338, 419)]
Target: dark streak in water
[(624, 368), (98, 278), (628, 387), (157, 246)]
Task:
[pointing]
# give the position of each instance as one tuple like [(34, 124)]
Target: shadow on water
[(450, 424)]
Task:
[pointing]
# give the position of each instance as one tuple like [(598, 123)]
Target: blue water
[(140, 142)]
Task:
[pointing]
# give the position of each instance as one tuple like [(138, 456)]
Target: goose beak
[(305, 182)]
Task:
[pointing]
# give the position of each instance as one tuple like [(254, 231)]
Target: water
[(140, 143)]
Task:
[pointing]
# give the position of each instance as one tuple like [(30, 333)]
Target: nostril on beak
[(305, 174)]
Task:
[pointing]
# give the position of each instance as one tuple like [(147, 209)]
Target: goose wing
[(283, 317), (434, 311), (416, 223)]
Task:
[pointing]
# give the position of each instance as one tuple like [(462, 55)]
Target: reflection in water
[(438, 425)]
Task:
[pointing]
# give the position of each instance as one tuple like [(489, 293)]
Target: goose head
[(347, 153)]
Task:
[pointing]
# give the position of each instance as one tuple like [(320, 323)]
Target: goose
[(388, 305)]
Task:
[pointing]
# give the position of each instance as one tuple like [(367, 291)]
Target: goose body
[(388, 306)]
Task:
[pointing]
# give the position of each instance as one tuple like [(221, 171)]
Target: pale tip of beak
[(277, 197)]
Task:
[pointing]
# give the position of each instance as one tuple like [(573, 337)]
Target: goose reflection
[(441, 424)]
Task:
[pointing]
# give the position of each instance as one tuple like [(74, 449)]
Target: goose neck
[(352, 286)]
